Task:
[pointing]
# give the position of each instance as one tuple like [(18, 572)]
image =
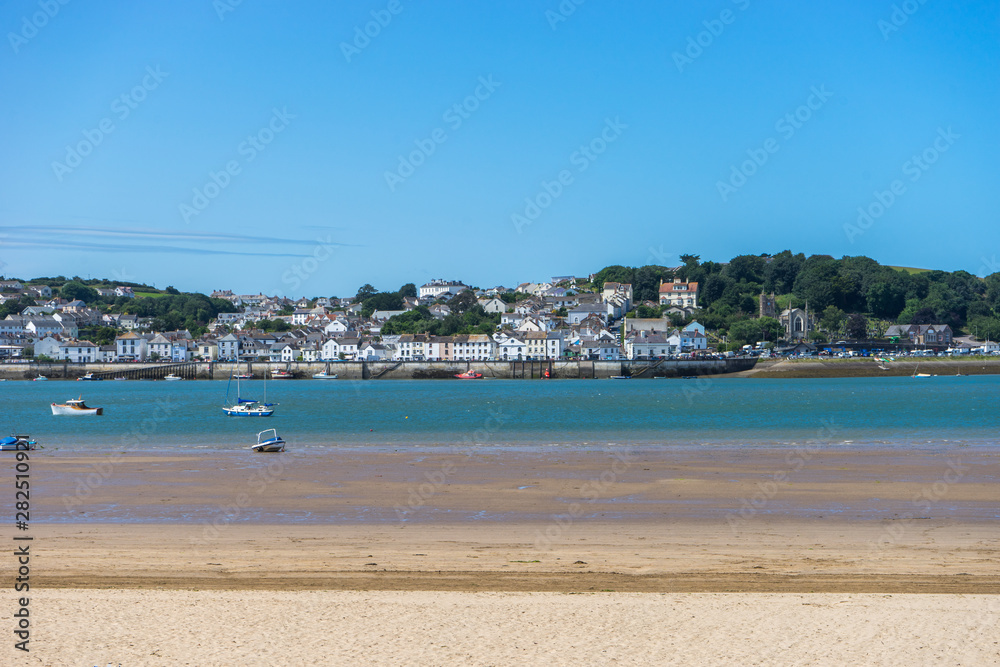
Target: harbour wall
[(383, 370)]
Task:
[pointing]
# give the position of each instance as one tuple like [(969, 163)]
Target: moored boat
[(172, 377), (278, 374), (324, 376), (89, 377), (269, 441), (75, 406), (469, 375), (40, 378), (16, 443), (248, 407)]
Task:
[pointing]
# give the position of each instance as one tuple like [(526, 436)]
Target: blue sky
[(271, 146)]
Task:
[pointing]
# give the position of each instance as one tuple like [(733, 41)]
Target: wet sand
[(568, 557), (681, 519)]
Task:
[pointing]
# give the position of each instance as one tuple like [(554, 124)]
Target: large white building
[(438, 287), (676, 293)]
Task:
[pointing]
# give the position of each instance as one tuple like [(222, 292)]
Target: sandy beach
[(603, 557)]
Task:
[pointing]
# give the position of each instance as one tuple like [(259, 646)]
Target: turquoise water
[(392, 415)]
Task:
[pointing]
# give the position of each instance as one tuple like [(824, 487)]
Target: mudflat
[(667, 520)]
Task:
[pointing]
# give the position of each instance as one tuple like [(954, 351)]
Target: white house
[(228, 347), (338, 327), (159, 346), (372, 352), (335, 347), (131, 346), (473, 347), (80, 351), (12, 326), (609, 350), (438, 287), (583, 311), (646, 345), (679, 294), (493, 305), (687, 340), (207, 349), (512, 348)]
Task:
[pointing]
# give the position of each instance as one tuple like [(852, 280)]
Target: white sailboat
[(248, 407)]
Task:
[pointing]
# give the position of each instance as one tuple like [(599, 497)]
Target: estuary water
[(903, 412)]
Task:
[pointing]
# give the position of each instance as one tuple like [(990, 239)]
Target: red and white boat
[(469, 375)]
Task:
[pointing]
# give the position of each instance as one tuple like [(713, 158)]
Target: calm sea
[(392, 415)]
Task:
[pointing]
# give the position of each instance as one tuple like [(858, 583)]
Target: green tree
[(857, 326), (364, 292), (832, 319), (613, 274), (73, 290), (381, 301), (409, 289), (463, 301), (746, 267)]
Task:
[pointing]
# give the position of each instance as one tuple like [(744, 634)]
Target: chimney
[(677, 280)]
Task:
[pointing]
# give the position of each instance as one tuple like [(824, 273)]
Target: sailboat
[(248, 407), (920, 375)]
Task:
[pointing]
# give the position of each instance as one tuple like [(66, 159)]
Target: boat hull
[(16, 443), (324, 376), (247, 413), (58, 409), (271, 446)]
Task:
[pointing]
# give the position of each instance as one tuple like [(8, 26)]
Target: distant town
[(766, 305)]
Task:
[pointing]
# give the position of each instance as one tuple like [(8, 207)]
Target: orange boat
[(469, 375)]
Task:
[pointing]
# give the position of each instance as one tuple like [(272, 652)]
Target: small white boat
[(121, 378), (172, 377), (40, 378), (89, 377), (16, 443), (268, 441), (279, 374), (324, 376), (75, 406), (243, 376)]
